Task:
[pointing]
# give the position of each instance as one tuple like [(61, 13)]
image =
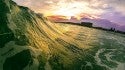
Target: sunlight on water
[(111, 44), (82, 36), (33, 42)]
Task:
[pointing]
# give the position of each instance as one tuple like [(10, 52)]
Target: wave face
[(28, 41)]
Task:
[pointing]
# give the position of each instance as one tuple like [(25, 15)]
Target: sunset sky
[(112, 10)]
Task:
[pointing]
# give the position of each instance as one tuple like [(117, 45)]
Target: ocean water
[(111, 46)]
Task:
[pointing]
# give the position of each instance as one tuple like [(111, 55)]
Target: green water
[(107, 48)]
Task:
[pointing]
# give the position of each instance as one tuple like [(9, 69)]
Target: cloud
[(92, 7), (118, 5)]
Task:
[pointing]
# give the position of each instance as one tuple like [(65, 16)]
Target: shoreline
[(100, 28)]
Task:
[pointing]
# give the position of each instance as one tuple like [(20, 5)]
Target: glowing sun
[(70, 9)]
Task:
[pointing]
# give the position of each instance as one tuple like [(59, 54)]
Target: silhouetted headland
[(90, 25)]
